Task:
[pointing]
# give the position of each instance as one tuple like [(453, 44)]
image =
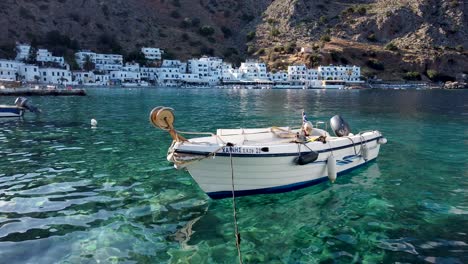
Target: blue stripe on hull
[(280, 189), (11, 111)]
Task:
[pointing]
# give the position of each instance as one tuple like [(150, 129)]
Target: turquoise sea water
[(72, 194)]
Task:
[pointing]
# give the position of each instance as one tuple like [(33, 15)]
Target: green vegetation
[(372, 37), (261, 52), (314, 60), (278, 49), (185, 36), (290, 47), (136, 56), (251, 49), (207, 51), (274, 32), (391, 46), (432, 74), (323, 20), (206, 31), (362, 10), (375, 64), (226, 32), (325, 38), (195, 22), (247, 17), (88, 64), (8, 50), (412, 76), (459, 48), (271, 21), (250, 35), (335, 56)]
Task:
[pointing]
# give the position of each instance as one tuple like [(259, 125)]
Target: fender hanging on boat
[(331, 166)]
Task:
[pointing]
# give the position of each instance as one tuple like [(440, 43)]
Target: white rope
[(236, 228)]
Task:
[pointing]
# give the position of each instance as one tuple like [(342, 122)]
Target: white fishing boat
[(267, 160), (18, 109), (11, 111)]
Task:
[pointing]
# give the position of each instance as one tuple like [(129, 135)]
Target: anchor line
[(236, 228)]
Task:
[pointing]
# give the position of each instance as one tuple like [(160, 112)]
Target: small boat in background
[(267, 160), (21, 105)]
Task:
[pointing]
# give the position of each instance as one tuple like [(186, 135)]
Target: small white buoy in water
[(331, 166), (93, 122)]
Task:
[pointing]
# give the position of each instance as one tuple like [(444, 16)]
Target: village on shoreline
[(34, 66)]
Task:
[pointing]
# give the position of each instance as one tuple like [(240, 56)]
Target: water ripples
[(72, 194)]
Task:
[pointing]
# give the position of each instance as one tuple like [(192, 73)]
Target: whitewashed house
[(152, 53), (149, 73), (102, 62), (280, 76), (22, 51), (102, 79), (45, 56), (84, 77), (82, 56), (131, 67), (28, 73), (54, 76), (109, 62), (253, 70), (341, 73), (9, 70), (182, 66), (297, 73), (125, 76), (169, 76)]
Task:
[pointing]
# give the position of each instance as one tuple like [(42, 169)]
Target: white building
[(9, 70), (229, 74), (102, 79), (149, 73), (44, 56), (344, 73), (84, 77), (102, 62), (109, 62), (152, 53), (125, 76), (131, 67), (253, 70), (280, 76), (54, 76), (28, 73), (22, 51), (182, 66), (169, 75), (297, 73), (82, 56)]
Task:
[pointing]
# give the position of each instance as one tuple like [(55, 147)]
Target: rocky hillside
[(391, 39)]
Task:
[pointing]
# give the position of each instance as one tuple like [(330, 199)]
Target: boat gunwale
[(247, 155)]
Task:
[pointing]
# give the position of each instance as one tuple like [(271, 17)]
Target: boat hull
[(278, 172), (11, 111)]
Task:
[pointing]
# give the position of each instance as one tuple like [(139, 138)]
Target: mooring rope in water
[(236, 228)]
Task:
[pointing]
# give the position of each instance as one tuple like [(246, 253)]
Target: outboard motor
[(339, 126), (23, 102)]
